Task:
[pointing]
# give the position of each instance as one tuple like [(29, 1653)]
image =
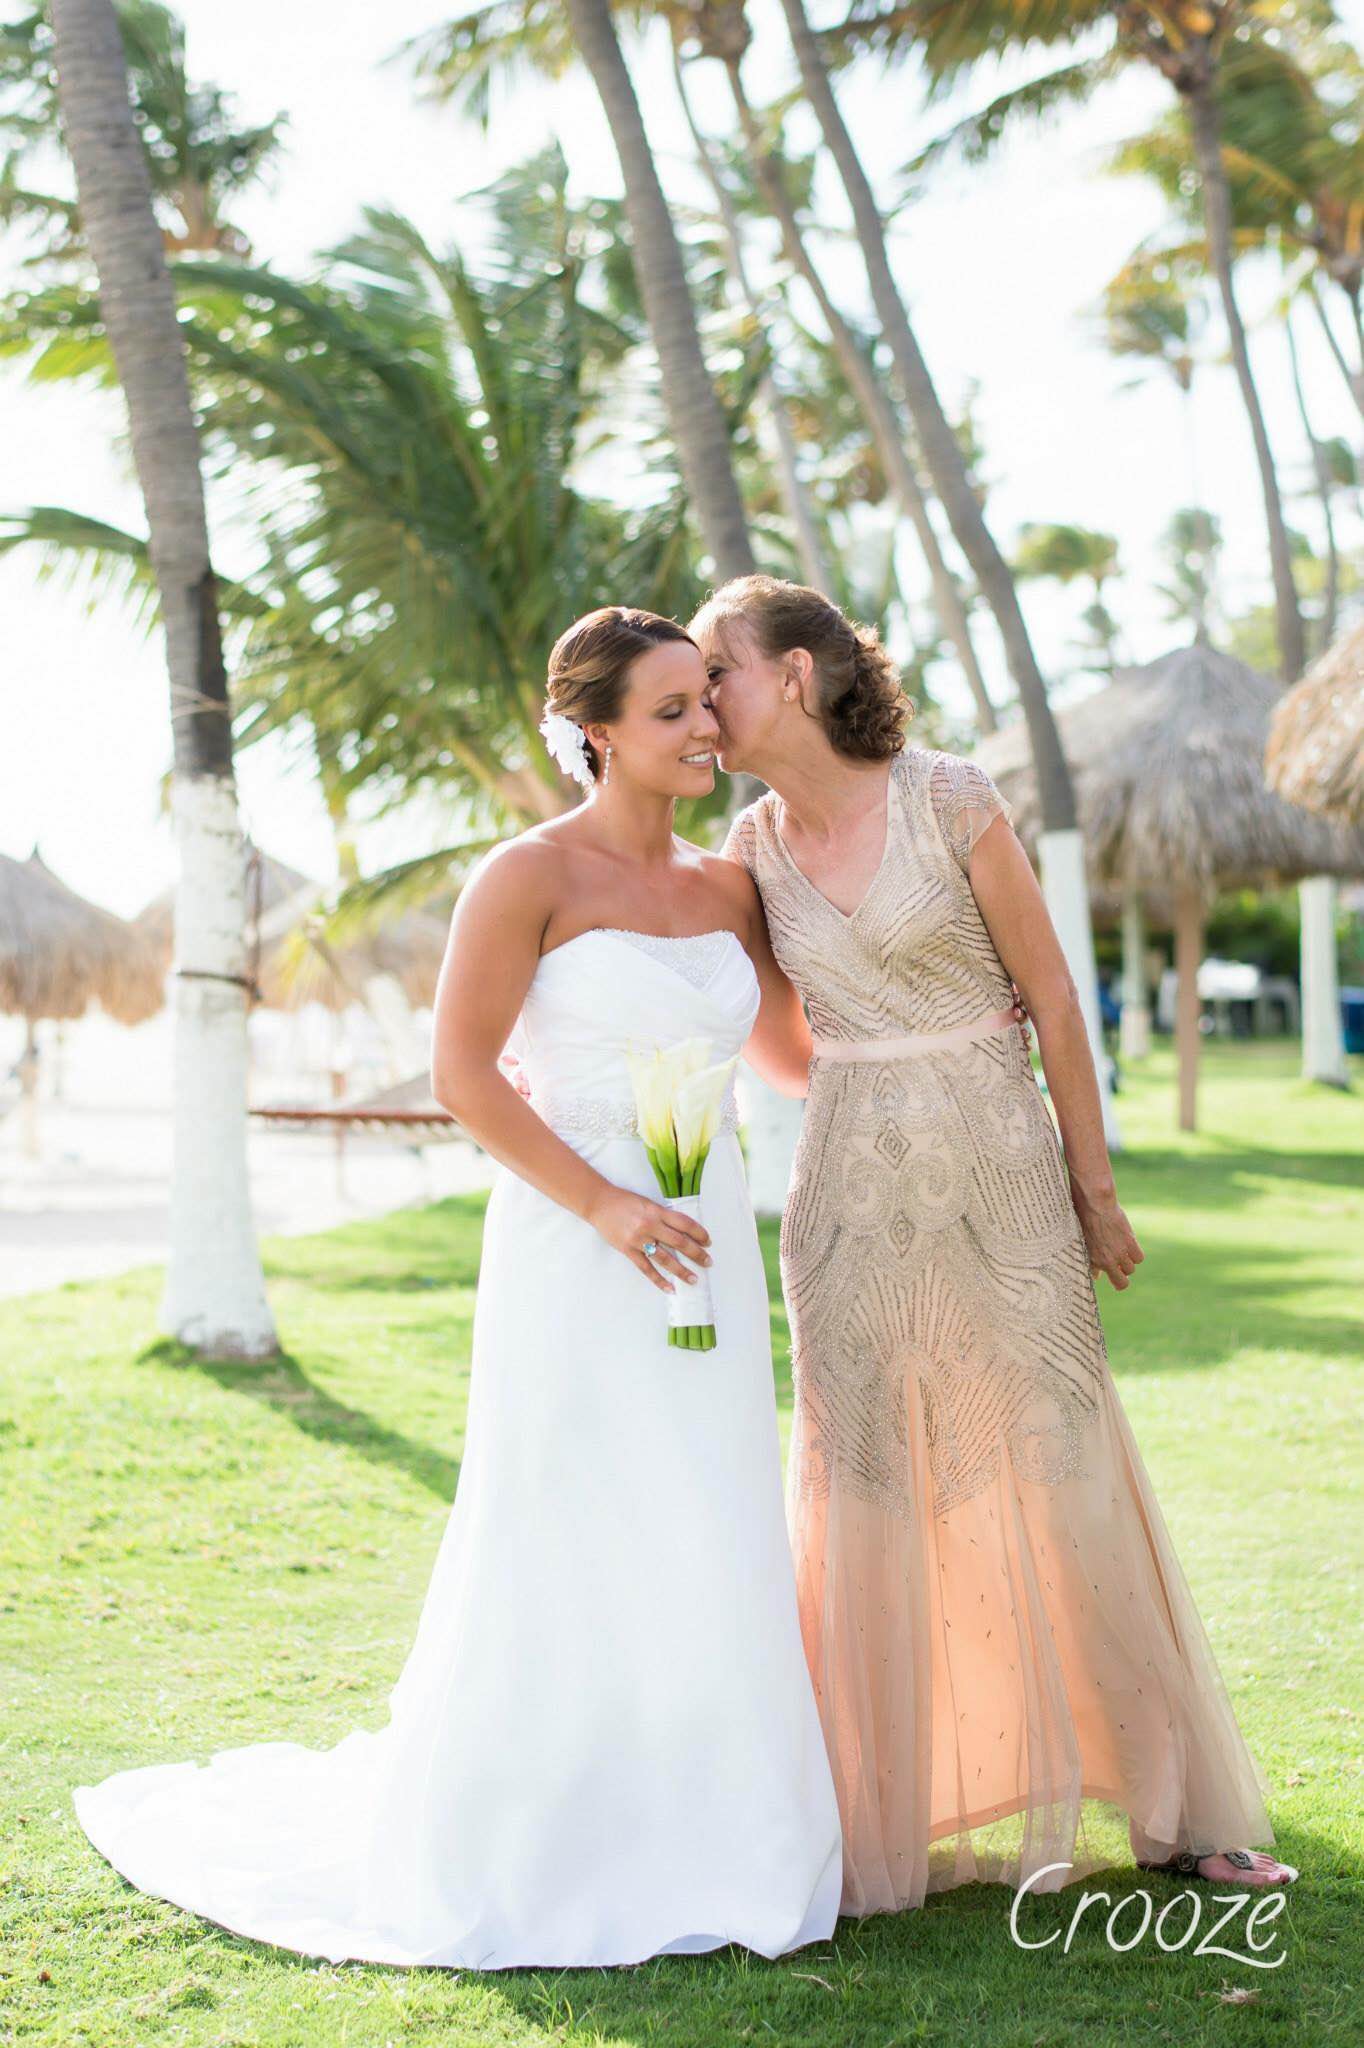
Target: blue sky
[(1001, 269)]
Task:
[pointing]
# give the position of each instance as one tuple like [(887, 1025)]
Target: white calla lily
[(696, 1116), (679, 1092)]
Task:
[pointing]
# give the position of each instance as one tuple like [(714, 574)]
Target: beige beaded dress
[(1007, 1657)]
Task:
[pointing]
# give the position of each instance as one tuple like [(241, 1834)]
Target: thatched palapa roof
[(277, 881), (59, 952), (1315, 755), (1167, 762), (298, 963)]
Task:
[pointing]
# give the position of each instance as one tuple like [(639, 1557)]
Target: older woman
[(996, 1623)]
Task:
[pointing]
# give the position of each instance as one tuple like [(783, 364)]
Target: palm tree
[(199, 154), (810, 549), (1198, 46), (698, 424), (1153, 313), (1192, 543), (406, 434), (214, 1297), (464, 56), (941, 449), (722, 32), (1061, 846), (1065, 554)]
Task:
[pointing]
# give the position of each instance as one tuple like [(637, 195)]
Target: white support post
[(1135, 1030), (1323, 1040)]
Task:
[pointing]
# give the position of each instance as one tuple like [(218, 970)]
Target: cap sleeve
[(740, 841), (964, 801)]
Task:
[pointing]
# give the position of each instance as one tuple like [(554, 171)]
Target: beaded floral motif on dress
[(930, 1250)]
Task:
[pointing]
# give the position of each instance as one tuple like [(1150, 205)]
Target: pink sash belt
[(904, 1048)]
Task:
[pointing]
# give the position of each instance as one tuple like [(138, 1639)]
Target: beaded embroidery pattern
[(929, 1243), (590, 1116)]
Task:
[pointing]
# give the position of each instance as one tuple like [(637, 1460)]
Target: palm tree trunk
[(694, 412), (1321, 473), (876, 406), (1354, 378), (1207, 141), (936, 439), (795, 498), (214, 1298), (1061, 845)]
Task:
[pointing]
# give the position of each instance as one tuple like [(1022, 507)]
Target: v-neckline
[(844, 916)]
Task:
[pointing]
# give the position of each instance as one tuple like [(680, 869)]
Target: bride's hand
[(630, 1221), (1113, 1248)]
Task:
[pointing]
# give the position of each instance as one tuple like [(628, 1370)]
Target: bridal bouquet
[(678, 1098)]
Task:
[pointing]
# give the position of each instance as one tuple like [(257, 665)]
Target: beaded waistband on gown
[(914, 1042), (590, 1116)]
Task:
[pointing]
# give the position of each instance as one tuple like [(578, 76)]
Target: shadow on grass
[(1191, 1303), (922, 1974), (1232, 1177), (1198, 1305), (282, 1385)]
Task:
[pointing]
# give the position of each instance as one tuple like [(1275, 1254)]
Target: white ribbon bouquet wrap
[(679, 1094)]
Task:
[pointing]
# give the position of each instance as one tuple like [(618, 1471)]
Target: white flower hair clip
[(566, 743)]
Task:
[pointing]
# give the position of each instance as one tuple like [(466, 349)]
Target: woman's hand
[(1021, 1015), (511, 1066), (630, 1221), (1113, 1248)]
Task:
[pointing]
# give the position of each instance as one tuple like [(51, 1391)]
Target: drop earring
[(606, 766)]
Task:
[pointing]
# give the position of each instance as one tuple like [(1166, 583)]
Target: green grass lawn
[(197, 1555)]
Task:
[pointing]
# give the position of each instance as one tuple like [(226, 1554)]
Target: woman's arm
[(1016, 916), (779, 1045), (490, 957)]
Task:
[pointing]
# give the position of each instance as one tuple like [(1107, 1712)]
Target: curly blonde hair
[(860, 698)]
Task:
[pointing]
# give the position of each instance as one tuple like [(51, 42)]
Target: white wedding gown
[(604, 1744)]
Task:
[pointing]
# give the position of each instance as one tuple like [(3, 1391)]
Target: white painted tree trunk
[(1061, 858), (1135, 1029), (1323, 1040), (771, 1128), (214, 1297)]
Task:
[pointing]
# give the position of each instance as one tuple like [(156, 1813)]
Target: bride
[(604, 1744)]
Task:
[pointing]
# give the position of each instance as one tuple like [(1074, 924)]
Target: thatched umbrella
[(59, 953), (1315, 755), (299, 963), (1168, 768), (268, 882), (290, 957)]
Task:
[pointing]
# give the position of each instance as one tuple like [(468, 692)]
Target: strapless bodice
[(608, 992)]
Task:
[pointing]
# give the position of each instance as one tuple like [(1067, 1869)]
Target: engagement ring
[(650, 1248)]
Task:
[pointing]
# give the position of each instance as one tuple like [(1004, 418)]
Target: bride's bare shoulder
[(523, 878)]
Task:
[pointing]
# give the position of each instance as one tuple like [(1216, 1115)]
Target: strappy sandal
[(1185, 1864)]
